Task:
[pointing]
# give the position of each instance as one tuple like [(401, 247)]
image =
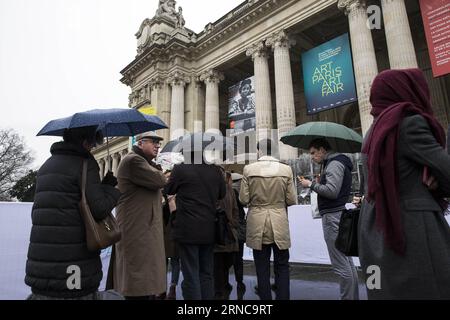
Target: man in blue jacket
[(333, 190)]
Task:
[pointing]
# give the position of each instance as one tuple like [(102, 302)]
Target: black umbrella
[(199, 142)]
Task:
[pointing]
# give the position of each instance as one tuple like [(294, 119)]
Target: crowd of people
[(168, 218)]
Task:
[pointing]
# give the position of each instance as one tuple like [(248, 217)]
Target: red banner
[(436, 21)]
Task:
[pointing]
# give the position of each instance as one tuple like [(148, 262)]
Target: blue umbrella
[(112, 122)]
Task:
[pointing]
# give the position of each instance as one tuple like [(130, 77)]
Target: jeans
[(238, 264), (281, 270), (222, 264), (342, 265), (197, 265), (175, 267)]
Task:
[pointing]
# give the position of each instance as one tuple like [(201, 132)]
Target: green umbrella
[(341, 138)]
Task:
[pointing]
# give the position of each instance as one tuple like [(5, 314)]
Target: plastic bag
[(315, 206)]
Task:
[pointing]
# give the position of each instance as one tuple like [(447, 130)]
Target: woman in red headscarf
[(403, 230)]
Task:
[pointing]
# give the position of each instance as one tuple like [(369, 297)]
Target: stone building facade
[(185, 76)]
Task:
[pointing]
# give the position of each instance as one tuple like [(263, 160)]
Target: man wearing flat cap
[(140, 266)]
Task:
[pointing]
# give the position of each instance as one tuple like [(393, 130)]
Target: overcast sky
[(58, 57)]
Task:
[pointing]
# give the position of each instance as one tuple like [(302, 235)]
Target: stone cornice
[(154, 54), (112, 142), (241, 17)]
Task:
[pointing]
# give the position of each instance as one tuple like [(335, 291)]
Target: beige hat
[(236, 176), (149, 135)]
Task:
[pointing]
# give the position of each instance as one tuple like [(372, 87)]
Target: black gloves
[(110, 179)]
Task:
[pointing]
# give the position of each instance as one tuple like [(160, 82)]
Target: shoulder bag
[(347, 238), (99, 234)]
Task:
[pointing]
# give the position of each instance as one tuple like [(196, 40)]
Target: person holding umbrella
[(58, 241), (333, 190)]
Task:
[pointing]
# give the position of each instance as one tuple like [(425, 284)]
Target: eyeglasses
[(155, 142)]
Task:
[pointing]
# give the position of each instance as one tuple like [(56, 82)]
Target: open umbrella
[(112, 122), (340, 138), (173, 146), (199, 141)]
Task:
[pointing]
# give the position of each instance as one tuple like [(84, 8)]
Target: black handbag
[(347, 238), (224, 234)]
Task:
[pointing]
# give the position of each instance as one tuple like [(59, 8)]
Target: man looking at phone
[(333, 190)]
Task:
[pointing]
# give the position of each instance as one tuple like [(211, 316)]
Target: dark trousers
[(197, 266), (222, 264), (238, 264), (281, 270)]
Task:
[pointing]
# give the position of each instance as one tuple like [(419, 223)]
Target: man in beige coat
[(267, 188), (140, 264)]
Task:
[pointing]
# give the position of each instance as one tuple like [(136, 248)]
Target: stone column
[(115, 163), (284, 91), (107, 168), (158, 87), (263, 99), (212, 118), (402, 54), (101, 164), (178, 81), (364, 60)]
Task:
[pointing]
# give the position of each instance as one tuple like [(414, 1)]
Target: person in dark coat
[(402, 228), (169, 214), (238, 263), (198, 188), (224, 254), (57, 247)]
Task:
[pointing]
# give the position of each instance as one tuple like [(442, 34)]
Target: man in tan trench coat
[(267, 188), (140, 264)]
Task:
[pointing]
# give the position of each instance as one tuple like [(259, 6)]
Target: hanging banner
[(241, 107), (328, 75), (148, 109), (436, 22)]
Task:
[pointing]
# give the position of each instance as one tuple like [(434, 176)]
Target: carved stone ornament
[(143, 36), (349, 5), (212, 76), (279, 39), (178, 78), (167, 9), (156, 83), (257, 50)]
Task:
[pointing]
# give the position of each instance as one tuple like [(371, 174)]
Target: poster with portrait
[(241, 106)]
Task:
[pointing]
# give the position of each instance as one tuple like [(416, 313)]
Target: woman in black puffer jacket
[(58, 239)]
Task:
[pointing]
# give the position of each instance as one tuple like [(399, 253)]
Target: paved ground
[(308, 282)]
